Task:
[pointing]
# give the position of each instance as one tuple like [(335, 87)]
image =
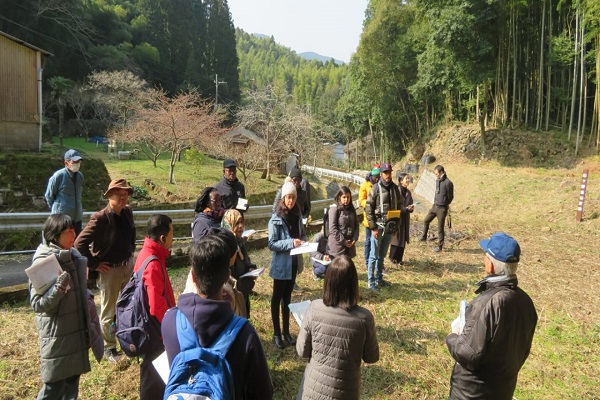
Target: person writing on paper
[(158, 242), (286, 231), (401, 238), (209, 212), (61, 313), (320, 258), (233, 221), (209, 314), (336, 336), (343, 225), (499, 326)]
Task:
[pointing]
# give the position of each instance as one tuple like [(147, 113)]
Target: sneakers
[(373, 288), (317, 277), (383, 283), (437, 249), (298, 288), (112, 356)]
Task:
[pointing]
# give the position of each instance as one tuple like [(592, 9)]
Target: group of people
[(336, 334)]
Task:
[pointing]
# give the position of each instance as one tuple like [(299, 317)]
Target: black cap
[(229, 164)]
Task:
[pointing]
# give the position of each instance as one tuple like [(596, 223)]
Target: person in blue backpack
[(209, 314)]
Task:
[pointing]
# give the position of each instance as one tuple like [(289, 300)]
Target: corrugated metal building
[(20, 94)]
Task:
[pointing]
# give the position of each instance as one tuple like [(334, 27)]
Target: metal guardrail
[(35, 221), (319, 172)]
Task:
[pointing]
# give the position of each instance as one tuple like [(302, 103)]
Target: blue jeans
[(319, 269), (379, 248), (368, 235)]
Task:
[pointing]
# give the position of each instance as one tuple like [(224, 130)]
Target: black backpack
[(137, 331)]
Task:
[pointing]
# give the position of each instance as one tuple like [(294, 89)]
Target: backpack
[(202, 373), (137, 331), (326, 220)]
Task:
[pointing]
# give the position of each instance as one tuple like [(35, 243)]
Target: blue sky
[(329, 27)]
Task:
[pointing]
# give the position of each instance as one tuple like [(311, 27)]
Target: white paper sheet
[(306, 247), (254, 273), (161, 364), (324, 262), (248, 233), (299, 310), (43, 273)]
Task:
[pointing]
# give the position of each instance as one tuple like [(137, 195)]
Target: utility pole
[(217, 82)]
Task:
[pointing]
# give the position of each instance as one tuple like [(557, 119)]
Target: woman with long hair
[(343, 225), (336, 336), (401, 238), (286, 231)]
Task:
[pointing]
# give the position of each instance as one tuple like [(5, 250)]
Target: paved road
[(12, 272)]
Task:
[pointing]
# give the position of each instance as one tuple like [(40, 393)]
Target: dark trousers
[(396, 253), (282, 296), (439, 212), (65, 389), (152, 387)]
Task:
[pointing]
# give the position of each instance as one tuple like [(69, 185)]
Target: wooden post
[(582, 195)]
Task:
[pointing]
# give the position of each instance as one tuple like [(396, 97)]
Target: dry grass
[(559, 269)]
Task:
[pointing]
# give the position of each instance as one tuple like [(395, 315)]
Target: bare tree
[(307, 136), (117, 97), (265, 114), (175, 124), (80, 98)]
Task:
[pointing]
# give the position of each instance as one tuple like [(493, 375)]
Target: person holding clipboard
[(383, 214)]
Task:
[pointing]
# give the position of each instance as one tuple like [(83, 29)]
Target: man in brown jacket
[(108, 242)]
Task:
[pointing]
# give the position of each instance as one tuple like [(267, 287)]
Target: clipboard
[(393, 214)]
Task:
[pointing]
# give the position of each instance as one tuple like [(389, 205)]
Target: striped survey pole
[(582, 191)]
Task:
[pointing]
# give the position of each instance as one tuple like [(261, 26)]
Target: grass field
[(559, 269)]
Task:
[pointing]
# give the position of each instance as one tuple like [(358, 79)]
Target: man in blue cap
[(63, 193), (493, 343)]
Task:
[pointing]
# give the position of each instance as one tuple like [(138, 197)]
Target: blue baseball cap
[(72, 155), (502, 247)]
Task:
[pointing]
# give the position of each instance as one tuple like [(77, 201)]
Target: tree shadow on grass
[(379, 382), (410, 340)]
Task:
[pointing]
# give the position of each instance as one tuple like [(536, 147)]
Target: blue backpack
[(202, 373), (136, 330)]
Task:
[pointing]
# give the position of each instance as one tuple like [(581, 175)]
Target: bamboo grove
[(521, 64)]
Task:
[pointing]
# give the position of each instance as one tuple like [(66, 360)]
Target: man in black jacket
[(230, 188), (444, 194), (492, 343)]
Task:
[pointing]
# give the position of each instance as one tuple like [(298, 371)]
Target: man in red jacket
[(157, 243)]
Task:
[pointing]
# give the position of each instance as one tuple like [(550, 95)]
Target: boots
[(278, 341)]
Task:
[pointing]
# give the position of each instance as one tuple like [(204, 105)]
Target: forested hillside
[(519, 64), (420, 64), (312, 84), (171, 44)]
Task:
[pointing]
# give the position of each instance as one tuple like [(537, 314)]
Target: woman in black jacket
[(401, 238)]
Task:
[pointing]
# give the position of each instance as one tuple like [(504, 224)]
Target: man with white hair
[(495, 340)]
